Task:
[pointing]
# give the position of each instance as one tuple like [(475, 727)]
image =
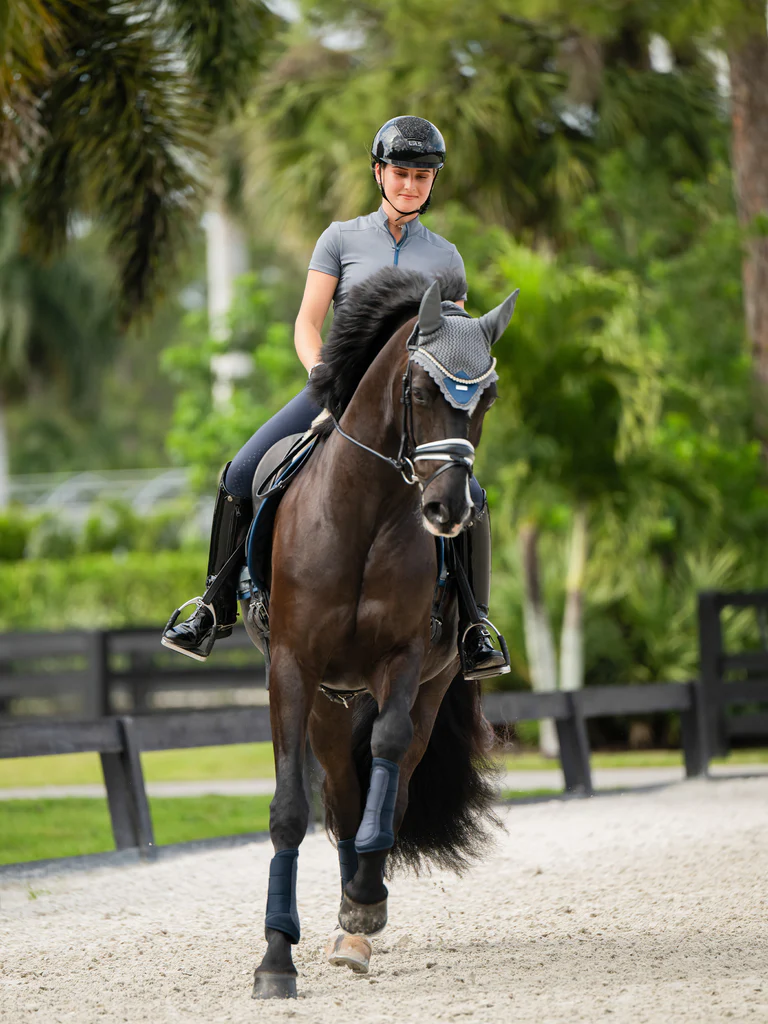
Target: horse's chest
[(390, 604)]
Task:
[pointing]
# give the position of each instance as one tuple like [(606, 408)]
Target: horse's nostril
[(437, 513)]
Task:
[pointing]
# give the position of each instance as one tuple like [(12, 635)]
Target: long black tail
[(450, 815)]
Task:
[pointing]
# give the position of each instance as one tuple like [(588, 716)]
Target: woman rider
[(407, 154)]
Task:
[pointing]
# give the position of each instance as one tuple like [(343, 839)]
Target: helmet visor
[(425, 160)]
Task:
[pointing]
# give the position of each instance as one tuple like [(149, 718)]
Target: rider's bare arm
[(318, 293)]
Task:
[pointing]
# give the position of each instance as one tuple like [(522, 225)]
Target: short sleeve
[(327, 255), (457, 263)]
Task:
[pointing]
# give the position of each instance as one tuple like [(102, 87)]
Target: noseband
[(453, 452)]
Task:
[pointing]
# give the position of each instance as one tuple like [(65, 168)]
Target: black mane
[(373, 311)]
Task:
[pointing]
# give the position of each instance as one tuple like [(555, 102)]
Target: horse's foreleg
[(330, 731), (358, 909), (289, 707), (364, 906)]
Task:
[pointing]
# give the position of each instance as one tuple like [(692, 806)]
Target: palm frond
[(110, 106), (125, 140), (223, 41)]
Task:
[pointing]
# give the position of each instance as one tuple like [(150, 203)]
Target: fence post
[(710, 654), (694, 733), (140, 663), (96, 694), (126, 793), (574, 748), (5, 702)]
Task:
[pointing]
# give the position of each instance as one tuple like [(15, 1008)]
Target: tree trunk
[(572, 636), (227, 259), (5, 483), (749, 114), (539, 642)]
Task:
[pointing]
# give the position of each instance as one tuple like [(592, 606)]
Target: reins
[(453, 452)]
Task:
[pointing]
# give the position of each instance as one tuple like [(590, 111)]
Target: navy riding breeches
[(294, 418)]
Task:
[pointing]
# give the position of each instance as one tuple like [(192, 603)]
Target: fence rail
[(114, 662), (571, 711), (120, 741), (115, 670)]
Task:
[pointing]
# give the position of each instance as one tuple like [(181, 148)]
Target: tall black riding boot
[(480, 659), (210, 622)]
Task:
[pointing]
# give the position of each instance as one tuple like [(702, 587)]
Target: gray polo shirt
[(352, 250)]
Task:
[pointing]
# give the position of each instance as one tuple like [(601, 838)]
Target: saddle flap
[(276, 470)]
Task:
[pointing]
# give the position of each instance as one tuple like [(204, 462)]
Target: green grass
[(39, 829), (254, 761), (42, 829), (241, 761), (526, 794)]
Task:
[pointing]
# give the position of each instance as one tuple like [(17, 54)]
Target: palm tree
[(527, 108), (109, 109), (58, 326), (113, 107)]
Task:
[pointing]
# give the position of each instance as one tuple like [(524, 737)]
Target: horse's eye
[(420, 397)]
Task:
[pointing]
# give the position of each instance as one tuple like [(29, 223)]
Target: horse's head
[(450, 384)]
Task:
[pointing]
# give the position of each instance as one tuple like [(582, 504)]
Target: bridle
[(453, 452)]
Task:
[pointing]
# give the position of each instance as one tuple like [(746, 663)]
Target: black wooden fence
[(571, 710), (108, 668), (120, 740), (733, 679), (91, 674)]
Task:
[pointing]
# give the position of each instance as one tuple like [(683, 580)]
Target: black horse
[(406, 380)]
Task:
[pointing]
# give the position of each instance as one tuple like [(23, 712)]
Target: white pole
[(227, 259)]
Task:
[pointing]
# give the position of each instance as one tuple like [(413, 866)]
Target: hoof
[(353, 951), (273, 986), (362, 918)]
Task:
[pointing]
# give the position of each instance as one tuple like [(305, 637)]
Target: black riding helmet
[(408, 142)]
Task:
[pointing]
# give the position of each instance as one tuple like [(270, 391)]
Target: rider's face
[(406, 187)]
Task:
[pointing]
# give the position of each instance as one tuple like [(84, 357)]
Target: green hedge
[(112, 527), (102, 590)]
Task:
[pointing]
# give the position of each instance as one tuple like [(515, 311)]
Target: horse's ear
[(430, 310), (494, 324)]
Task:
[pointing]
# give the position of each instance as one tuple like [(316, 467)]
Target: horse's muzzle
[(440, 520)]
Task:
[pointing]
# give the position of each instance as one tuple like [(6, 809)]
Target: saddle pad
[(274, 473)]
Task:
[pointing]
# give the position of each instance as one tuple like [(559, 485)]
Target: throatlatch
[(376, 831), (282, 912)]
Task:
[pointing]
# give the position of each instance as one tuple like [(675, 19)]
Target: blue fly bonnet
[(455, 348)]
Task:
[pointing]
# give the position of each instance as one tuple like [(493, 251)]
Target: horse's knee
[(392, 734), (288, 817)]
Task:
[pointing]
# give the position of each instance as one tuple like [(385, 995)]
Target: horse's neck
[(374, 415), (374, 418)]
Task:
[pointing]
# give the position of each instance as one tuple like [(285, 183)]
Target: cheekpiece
[(457, 355)]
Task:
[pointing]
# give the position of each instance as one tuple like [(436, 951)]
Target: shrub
[(15, 527), (98, 590)]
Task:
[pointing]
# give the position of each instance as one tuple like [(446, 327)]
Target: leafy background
[(577, 171)]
